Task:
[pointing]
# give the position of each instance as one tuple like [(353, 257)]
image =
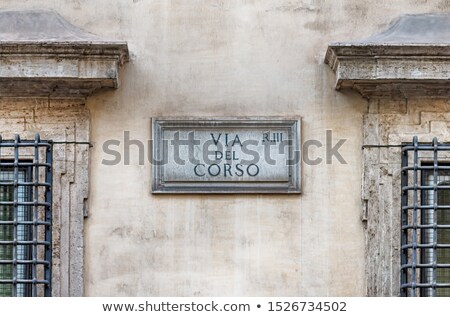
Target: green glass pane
[(6, 234), (443, 237)]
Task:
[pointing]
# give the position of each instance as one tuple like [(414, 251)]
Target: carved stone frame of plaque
[(226, 155)]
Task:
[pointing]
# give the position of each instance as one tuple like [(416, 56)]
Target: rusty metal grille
[(25, 217), (425, 219)]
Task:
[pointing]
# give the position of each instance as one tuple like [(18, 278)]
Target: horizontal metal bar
[(28, 223), (38, 262), (426, 147), (425, 285), (24, 144), (24, 282), (426, 246), (39, 242), (426, 265), (74, 142), (31, 143), (426, 168), (426, 207), (24, 203), (416, 187), (368, 146), (409, 147), (23, 164), (12, 183), (426, 227)]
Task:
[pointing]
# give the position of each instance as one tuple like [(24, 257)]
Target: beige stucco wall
[(227, 58)]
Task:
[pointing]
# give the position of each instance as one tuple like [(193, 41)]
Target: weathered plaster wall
[(214, 58)]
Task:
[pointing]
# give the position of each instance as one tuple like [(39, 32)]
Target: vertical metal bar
[(48, 218), (16, 212), (415, 212), (423, 232), (35, 213), (435, 201), (21, 283), (404, 222)]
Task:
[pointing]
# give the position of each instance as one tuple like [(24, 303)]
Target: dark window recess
[(425, 219), (25, 217)]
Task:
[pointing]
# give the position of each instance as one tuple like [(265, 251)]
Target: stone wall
[(391, 123), (59, 120), (222, 58)]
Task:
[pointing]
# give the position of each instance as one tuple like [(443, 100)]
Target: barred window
[(25, 217), (442, 218), (425, 218)]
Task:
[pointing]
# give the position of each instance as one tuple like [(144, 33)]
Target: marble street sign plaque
[(221, 155)]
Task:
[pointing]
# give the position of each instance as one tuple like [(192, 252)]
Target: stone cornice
[(117, 50), (42, 55), (402, 62)]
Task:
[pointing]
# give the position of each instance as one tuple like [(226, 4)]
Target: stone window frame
[(48, 69), (396, 71)]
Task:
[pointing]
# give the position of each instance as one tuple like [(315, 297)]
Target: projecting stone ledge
[(409, 60), (41, 54)]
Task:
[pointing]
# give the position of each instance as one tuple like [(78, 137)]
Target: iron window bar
[(425, 219), (25, 217)]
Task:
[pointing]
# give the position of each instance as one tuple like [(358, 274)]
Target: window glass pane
[(6, 234), (24, 233), (25, 217), (443, 237), (425, 219), (442, 234)]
